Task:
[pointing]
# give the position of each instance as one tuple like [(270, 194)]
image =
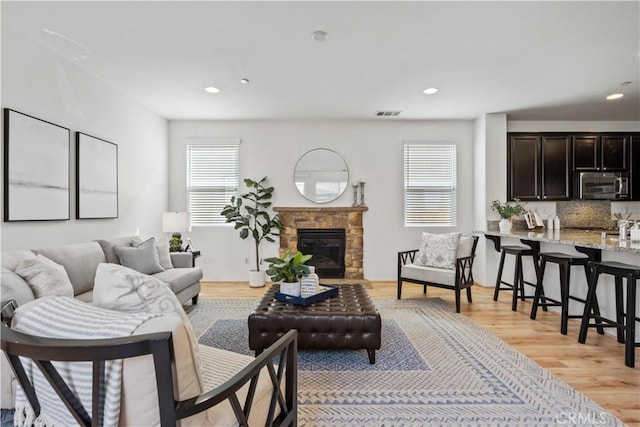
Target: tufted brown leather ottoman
[(348, 320)]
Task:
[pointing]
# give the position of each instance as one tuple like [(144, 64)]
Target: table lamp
[(176, 223)]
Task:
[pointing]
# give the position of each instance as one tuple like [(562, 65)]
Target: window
[(212, 178), (429, 184)]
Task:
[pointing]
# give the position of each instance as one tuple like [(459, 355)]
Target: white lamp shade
[(176, 222)]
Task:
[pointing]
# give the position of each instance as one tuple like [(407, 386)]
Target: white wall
[(373, 152), (37, 82)]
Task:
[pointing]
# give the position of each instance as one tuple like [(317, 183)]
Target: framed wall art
[(96, 178), (36, 169)]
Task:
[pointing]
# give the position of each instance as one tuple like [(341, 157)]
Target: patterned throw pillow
[(438, 250), (124, 289)]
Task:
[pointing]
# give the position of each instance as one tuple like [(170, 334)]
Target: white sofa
[(80, 262)]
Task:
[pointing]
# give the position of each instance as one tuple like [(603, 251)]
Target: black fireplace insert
[(327, 245)]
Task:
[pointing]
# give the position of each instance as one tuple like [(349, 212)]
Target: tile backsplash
[(585, 213)]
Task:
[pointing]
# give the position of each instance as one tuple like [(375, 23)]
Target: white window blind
[(429, 184), (212, 178)]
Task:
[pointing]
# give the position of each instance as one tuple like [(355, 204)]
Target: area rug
[(435, 368)]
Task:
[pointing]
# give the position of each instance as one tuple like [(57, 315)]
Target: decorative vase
[(292, 289), (505, 225), (256, 278), (309, 284)]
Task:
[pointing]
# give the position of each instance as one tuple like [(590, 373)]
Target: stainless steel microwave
[(604, 185)]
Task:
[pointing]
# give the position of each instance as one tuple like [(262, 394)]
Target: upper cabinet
[(600, 153), (634, 168), (539, 167)]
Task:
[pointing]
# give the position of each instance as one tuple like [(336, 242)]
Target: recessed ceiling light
[(211, 89), (431, 90), (319, 36), (244, 81), (615, 96)]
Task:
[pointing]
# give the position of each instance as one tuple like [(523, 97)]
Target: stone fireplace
[(347, 218)]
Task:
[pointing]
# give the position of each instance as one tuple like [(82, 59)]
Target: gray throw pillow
[(438, 250), (142, 257)]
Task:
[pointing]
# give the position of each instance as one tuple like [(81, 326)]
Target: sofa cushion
[(443, 276), (142, 257), (107, 246), (219, 366), (438, 250), (45, 277), (179, 278), (80, 260), (15, 287), (11, 259), (465, 246), (164, 256)]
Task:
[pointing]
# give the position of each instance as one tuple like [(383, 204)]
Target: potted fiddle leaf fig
[(288, 271), (250, 214), (507, 212)]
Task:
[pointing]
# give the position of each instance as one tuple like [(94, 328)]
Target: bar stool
[(565, 262), (625, 322), (518, 280)]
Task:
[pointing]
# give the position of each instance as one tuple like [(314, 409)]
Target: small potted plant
[(250, 214), (507, 212), (288, 271)]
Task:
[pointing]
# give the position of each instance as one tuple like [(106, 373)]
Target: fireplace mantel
[(347, 217)]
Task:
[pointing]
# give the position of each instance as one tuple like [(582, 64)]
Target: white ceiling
[(531, 60)]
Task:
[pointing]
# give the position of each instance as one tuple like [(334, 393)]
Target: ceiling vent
[(389, 113)]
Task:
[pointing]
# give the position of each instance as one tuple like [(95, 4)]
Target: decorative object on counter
[(507, 212), (634, 232), (550, 223), (176, 223), (355, 195), (288, 270), (622, 230), (362, 194), (533, 220), (253, 219), (556, 223)]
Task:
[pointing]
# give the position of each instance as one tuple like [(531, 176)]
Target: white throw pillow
[(164, 255), (45, 277), (438, 250), (142, 257), (124, 289)]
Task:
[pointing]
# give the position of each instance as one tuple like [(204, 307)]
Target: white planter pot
[(256, 278), (292, 289), (505, 225)]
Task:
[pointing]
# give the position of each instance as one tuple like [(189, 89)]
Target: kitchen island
[(573, 237), (572, 241)]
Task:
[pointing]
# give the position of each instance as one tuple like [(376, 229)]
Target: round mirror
[(321, 175)]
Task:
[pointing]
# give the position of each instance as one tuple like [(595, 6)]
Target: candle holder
[(355, 195), (362, 193)]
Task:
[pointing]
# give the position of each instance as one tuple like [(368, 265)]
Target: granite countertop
[(569, 236)]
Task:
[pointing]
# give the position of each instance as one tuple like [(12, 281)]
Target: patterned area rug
[(435, 368)]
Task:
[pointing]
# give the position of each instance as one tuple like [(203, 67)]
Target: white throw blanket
[(65, 317)]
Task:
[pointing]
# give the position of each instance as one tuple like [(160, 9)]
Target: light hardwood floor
[(595, 369)]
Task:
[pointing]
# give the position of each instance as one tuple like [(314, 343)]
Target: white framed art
[(36, 169), (96, 178)]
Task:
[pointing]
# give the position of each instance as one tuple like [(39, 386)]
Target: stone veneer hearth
[(349, 218)]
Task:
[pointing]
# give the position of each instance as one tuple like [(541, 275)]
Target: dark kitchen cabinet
[(586, 153), (600, 152), (538, 167), (614, 152), (634, 168), (556, 167), (523, 174)]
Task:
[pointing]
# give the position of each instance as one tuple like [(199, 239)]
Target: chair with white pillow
[(165, 377), (443, 261)]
